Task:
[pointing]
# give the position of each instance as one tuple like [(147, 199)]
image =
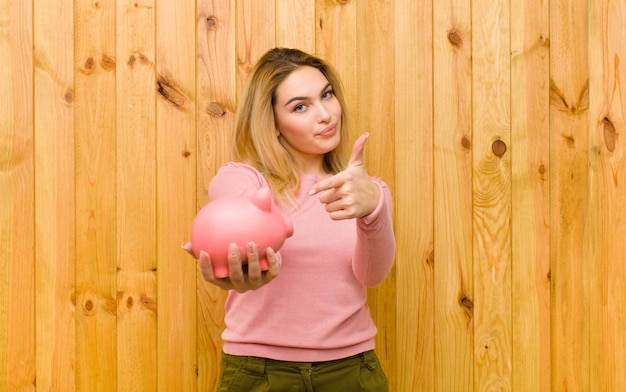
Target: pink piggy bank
[(239, 220)]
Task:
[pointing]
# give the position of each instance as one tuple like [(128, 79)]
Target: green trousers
[(359, 373)]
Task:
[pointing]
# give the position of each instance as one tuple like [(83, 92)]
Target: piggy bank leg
[(221, 271), (263, 264)]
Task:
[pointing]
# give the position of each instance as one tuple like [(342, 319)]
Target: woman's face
[(308, 116)]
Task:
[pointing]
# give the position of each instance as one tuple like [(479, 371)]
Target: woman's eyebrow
[(301, 98)]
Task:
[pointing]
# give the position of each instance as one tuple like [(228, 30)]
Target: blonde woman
[(303, 324)]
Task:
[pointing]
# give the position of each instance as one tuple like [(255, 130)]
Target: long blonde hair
[(255, 140)]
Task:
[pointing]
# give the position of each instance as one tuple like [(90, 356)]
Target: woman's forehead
[(303, 82)]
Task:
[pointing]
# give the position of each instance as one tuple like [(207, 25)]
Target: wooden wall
[(499, 125)]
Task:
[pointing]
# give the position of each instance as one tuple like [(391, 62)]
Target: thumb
[(356, 158)]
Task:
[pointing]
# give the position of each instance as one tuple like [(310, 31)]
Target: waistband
[(259, 364)]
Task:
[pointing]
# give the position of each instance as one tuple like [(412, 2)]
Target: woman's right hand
[(238, 280)]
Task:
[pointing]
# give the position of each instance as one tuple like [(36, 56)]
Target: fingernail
[(251, 247), (232, 249), (311, 192)]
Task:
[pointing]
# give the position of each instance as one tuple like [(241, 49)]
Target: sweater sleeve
[(376, 245)]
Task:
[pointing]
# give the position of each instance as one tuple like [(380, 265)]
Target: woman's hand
[(238, 280), (350, 193)]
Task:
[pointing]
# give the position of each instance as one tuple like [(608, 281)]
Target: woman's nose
[(324, 113)]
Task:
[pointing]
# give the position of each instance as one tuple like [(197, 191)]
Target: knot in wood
[(88, 306), (609, 134), (215, 109), (148, 303), (465, 142), (455, 39), (68, 97), (499, 148), (466, 302), (542, 169), (107, 62), (89, 64), (211, 23)]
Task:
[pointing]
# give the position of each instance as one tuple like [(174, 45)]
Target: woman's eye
[(299, 108), (327, 94)]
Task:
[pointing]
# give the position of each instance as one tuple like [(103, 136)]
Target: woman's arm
[(375, 248), (235, 179)]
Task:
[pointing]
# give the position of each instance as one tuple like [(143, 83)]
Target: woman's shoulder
[(241, 169), (237, 166), (234, 178)]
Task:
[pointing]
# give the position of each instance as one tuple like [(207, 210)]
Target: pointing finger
[(328, 183), (356, 159)]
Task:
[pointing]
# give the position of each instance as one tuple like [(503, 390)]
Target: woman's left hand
[(350, 193), (237, 279)]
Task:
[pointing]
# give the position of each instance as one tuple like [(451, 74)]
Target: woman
[(303, 324)]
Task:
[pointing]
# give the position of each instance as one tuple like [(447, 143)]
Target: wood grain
[(95, 170), (177, 156), (253, 39), (530, 204), (415, 298), (17, 225), (295, 24), (54, 201), (491, 199), (569, 196), (135, 207), (607, 120), (452, 197)]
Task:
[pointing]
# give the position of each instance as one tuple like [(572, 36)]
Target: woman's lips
[(328, 131)]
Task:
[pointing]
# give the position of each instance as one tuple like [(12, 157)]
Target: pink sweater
[(315, 310)]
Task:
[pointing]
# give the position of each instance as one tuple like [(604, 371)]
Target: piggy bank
[(239, 220)]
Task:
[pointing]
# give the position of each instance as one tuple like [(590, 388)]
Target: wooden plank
[(216, 87), (375, 114), (295, 24), (452, 124), (54, 188), (95, 146), (530, 273), (253, 39), (607, 258), (491, 182), (569, 194), (135, 207), (17, 258), (176, 193), (414, 348), (335, 34)]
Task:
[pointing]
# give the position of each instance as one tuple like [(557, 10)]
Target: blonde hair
[(255, 140)]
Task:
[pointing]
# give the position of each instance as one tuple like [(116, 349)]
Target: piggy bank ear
[(262, 198)]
